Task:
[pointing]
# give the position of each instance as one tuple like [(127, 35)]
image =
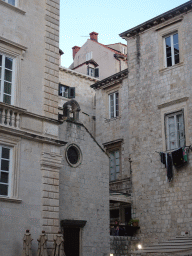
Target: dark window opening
[(66, 91), (114, 214), (73, 155), (71, 241)]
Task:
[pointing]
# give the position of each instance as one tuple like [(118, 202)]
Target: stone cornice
[(51, 160), (32, 136), (112, 142), (111, 80), (173, 102), (11, 43), (66, 70), (184, 8)]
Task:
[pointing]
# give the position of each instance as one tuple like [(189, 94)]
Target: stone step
[(178, 244)]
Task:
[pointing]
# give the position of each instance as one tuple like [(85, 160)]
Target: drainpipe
[(117, 58)]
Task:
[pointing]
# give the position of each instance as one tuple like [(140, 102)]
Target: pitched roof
[(86, 63), (115, 51), (111, 79)]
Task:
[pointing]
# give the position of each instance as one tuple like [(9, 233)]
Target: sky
[(108, 18)]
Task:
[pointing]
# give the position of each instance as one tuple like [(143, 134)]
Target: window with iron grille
[(171, 50), (6, 79), (175, 130), (113, 105), (5, 168)]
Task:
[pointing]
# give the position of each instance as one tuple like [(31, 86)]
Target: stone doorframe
[(74, 224)]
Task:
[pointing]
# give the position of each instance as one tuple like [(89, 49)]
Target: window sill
[(12, 7), (112, 119), (11, 200), (172, 67)]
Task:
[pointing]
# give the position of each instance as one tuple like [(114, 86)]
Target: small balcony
[(10, 115)]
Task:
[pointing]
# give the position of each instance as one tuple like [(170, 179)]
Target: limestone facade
[(34, 176), (113, 135), (155, 90), (150, 93), (84, 190)]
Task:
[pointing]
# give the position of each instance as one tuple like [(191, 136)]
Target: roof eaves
[(157, 20), (111, 79), (108, 48)]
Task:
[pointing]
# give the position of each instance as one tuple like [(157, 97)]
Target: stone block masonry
[(50, 166), (51, 79)]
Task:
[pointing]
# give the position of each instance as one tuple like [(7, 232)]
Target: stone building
[(79, 84), (112, 132), (99, 60), (53, 174), (148, 114)]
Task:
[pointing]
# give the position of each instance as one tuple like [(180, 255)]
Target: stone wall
[(163, 208), (84, 190), (109, 130), (51, 58)]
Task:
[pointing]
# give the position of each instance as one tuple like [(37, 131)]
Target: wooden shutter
[(112, 166), (96, 72), (60, 90), (71, 92)]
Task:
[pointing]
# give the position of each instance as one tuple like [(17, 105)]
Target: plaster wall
[(16, 216), (119, 47), (104, 57), (24, 29), (29, 39)]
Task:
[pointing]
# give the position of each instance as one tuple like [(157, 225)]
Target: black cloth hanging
[(163, 158), (177, 157), (169, 167)]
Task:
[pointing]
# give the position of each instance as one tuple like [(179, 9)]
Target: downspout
[(117, 58)]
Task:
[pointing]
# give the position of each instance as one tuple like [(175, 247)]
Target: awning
[(119, 198)]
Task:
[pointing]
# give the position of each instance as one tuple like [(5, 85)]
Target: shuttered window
[(175, 130), (88, 56), (6, 79), (66, 91), (114, 165), (5, 167), (114, 105)]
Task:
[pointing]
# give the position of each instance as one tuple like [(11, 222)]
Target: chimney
[(93, 36), (75, 50)]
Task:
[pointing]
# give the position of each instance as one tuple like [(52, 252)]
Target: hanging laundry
[(163, 158), (185, 154), (177, 157), (169, 167)]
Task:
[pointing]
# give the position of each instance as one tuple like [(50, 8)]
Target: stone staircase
[(178, 246)]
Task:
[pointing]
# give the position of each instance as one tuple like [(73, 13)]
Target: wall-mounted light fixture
[(139, 246)]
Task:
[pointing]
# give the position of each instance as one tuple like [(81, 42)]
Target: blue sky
[(109, 18)]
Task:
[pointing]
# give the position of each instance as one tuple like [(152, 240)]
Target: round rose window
[(73, 155)]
